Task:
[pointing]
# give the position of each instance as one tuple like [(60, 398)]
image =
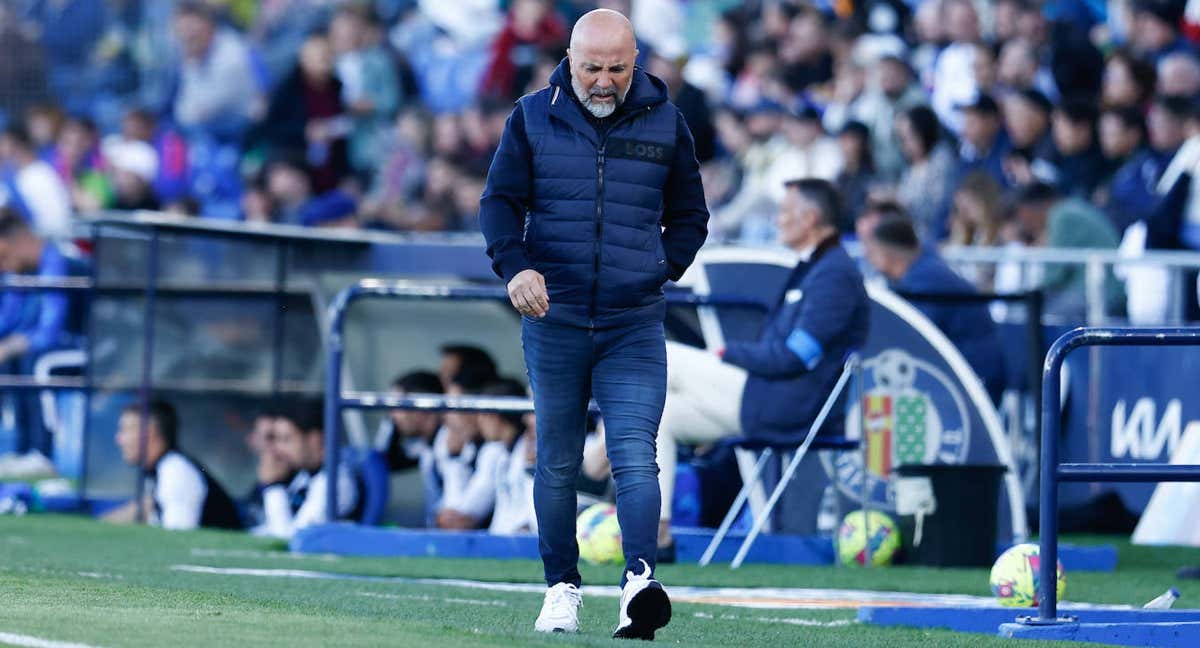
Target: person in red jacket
[(532, 28)]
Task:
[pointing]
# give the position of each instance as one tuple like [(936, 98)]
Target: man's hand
[(527, 291), (451, 519), (271, 468)]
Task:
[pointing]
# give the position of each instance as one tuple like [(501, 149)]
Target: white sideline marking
[(775, 598), (37, 642), (100, 575), (430, 599), (813, 623), (250, 553)]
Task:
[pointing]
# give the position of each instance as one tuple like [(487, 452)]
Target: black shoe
[(1189, 573), (666, 554)]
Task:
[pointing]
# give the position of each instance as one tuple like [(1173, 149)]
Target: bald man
[(593, 202)]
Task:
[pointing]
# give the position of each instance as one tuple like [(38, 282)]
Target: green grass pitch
[(68, 579)]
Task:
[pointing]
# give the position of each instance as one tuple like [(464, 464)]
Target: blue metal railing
[(336, 400), (1052, 472)]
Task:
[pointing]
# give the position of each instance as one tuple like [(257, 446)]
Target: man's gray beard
[(600, 111)]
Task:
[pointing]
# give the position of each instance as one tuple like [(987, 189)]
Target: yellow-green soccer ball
[(854, 536), (1016, 575), (599, 535)]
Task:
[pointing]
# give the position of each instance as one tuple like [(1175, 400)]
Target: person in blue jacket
[(593, 201), (893, 250), (35, 322), (772, 387)]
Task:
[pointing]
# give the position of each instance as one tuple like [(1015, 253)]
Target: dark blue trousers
[(625, 370)]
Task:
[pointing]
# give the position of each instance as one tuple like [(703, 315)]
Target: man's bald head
[(603, 27), (602, 54)]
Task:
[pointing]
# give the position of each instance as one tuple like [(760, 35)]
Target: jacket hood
[(644, 90)]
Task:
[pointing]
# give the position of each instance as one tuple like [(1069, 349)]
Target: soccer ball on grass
[(854, 534), (1016, 575)]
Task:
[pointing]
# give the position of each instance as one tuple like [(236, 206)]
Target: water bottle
[(1163, 601)]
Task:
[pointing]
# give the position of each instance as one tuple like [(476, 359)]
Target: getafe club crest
[(912, 414)]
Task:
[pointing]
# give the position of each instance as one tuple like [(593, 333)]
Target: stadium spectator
[(370, 86), (1128, 82), (1078, 160), (293, 477), (927, 184), (42, 122), (75, 156), (1155, 32), (1178, 75), (446, 46), (171, 181), (977, 218), (1018, 69), (954, 80), (515, 493), (894, 250), (33, 323), (179, 492), (772, 387), (509, 472), (418, 439), (133, 167), (668, 66), (803, 150), (218, 94), (30, 187), (1027, 122), (1132, 194), (393, 201), (466, 472), (258, 442), (1044, 218), (306, 117), (288, 189), (1122, 137), (532, 27), (757, 156), (804, 52), (23, 70), (892, 92), (472, 363), (857, 174), (411, 432), (984, 144), (286, 196), (68, 31)]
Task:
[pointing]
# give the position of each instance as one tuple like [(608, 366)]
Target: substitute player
[(593, 202)]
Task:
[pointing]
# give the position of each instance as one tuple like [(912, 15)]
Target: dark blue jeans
[(625, 370)]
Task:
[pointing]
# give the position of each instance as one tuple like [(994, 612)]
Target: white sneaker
[(645, 606), (560, 610)]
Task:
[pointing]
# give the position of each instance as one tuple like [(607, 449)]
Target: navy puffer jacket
[(607, 211)]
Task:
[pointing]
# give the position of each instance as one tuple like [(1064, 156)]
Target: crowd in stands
[(386, 114)]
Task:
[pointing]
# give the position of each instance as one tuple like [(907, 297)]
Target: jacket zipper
[(599, 217), (598, 222)]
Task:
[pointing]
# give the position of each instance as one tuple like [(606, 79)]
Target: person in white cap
[(133, 167)]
